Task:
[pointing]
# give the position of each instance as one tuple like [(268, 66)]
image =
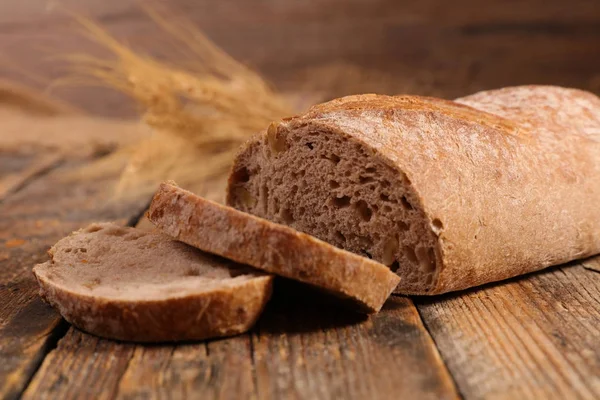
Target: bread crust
[(215, 312), (508, 180), (271, 247)]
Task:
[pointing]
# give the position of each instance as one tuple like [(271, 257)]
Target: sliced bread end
[(127, 284)]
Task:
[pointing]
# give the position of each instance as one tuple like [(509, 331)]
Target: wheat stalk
[(209, 111)]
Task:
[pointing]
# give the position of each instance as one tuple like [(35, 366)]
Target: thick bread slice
[(273, 248), (127, 284), (448, 194)]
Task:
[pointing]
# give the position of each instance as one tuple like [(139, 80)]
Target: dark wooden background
[(533, 337), (332, 47)]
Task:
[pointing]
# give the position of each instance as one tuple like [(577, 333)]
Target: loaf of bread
[(128, 284), (271, 247), (448, 194)]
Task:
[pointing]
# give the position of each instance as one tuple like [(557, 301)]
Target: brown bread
[(128, 284), (448, 194), (271, 247)]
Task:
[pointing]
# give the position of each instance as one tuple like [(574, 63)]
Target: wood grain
[(304, 349), (529, 338), (300, 349), (31, 220)]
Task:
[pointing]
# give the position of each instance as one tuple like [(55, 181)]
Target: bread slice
[(128, 284), (449, 194), (270, 247)]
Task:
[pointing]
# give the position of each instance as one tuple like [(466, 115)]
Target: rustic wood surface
[(532, 337), (299, 349)]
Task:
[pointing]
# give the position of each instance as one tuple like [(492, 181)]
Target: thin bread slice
[(128, 284), (274, 248)]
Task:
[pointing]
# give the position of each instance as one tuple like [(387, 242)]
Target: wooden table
[(535, 337)]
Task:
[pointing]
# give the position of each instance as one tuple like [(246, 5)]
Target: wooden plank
[(31, 220), (303, 347), (529, 338), (306, 349)]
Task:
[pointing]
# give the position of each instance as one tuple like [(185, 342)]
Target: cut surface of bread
[(128, 284), (449, 194), (274, 248)]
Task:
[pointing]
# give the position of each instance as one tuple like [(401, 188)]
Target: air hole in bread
[(437, 225), (403, 226), (334, 158), (294, 189), (409, 252), (363, 210), (347, 173), (390, 248), (68, 250), (276, 206), (241, 175), (341, 202), (365, 241), (277, 142), (395, 265), (367, 254), (334, 184), (286, 216), (385, 183), (340, 236), (426, 259), (387, 208), (83, 250), (302, 210), (244, 196), (384, 197), (428, 281), (300, 173), (406, 204), (371, 169), (365, 179), (310, 146)]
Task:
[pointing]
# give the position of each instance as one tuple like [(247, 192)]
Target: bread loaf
[(448, 194), (274, 248), (128, 284)]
